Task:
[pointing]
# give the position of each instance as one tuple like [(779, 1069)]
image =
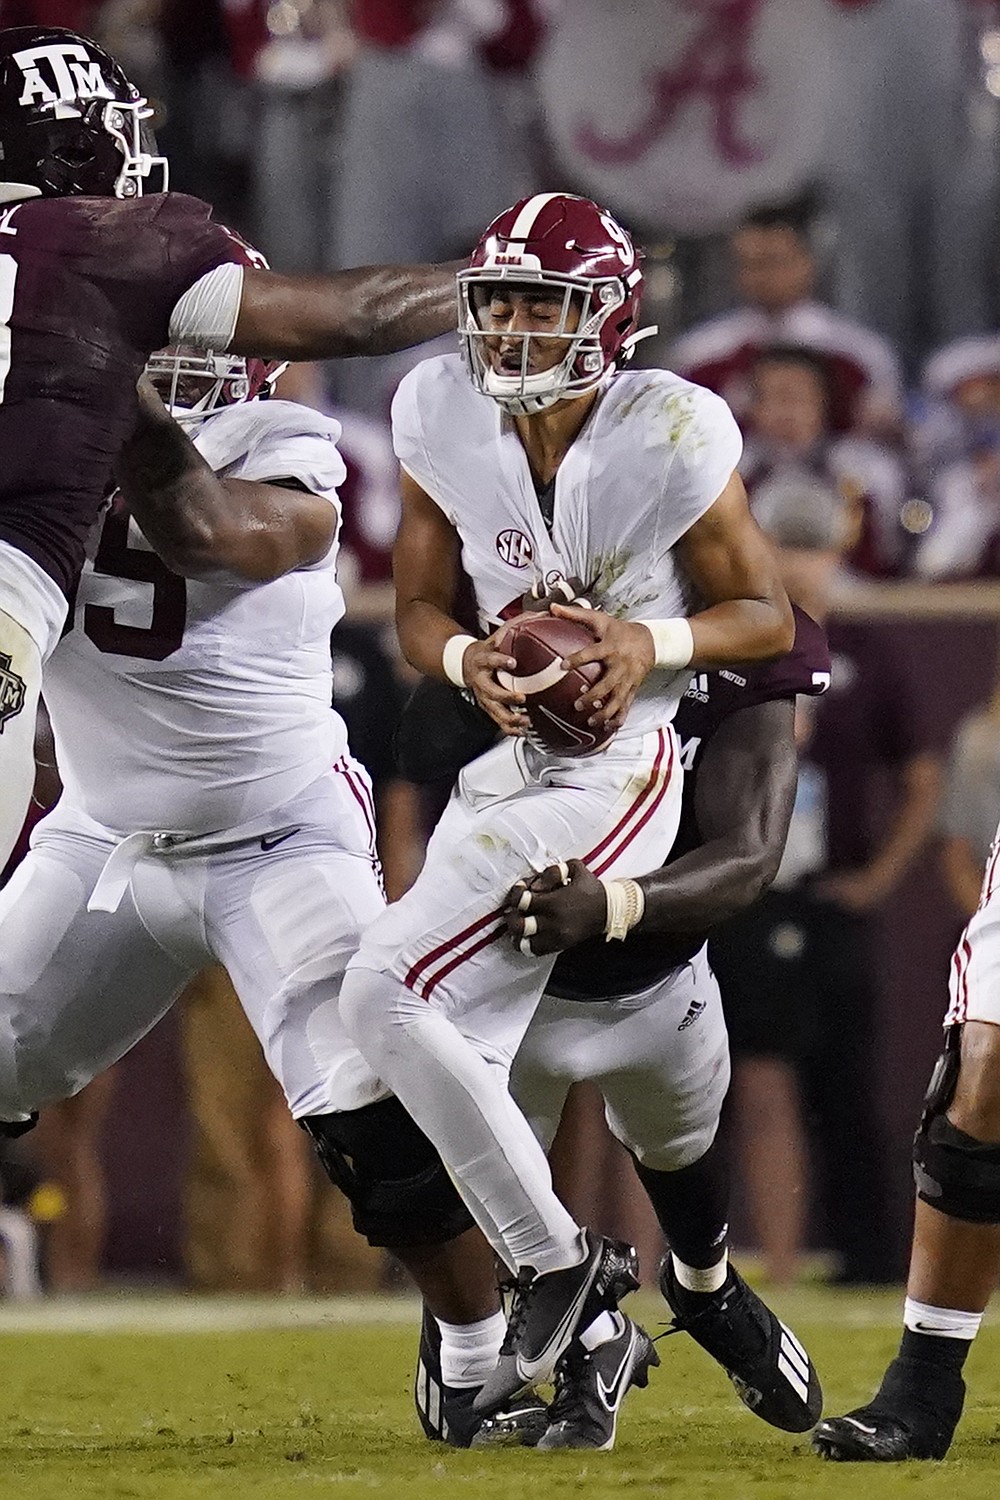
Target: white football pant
[(438, 998), (660, 1059), (280, 904), (974, 988), (20, 686)]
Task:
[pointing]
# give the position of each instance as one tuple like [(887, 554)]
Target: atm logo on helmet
[(73, 74)]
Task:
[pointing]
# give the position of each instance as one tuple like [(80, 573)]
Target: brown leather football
[(539, 643)]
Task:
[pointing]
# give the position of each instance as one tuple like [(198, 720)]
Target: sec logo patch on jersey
[(515, 548)]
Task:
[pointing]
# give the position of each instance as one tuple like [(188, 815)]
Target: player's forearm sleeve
[(206, 314)]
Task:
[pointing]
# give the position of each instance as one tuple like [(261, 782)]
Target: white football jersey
[(654, 454), (188, 705)]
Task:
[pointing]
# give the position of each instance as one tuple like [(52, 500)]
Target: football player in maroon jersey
[(99, 267)]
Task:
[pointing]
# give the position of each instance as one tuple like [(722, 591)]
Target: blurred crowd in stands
[(817, 185)]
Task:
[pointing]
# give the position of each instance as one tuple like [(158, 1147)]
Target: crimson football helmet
[(70, 121), (577, 252), (196, 383)]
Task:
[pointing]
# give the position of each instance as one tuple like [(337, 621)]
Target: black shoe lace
[(569, 1401), (520, 1292), (675, 1326)]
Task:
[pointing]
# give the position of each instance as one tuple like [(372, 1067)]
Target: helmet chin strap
[(523, 397), (518, 397)]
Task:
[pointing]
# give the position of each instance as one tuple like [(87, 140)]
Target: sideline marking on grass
[(129, 1312)]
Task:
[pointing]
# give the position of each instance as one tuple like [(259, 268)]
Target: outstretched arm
[(370, 310), (743, 803), (200, 524)]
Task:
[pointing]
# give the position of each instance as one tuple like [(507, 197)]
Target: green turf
[(305, 1410)]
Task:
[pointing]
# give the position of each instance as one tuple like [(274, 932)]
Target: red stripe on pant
[(448, 946), (991, 867), (610, 858), (358, 792), (967, 951), (637, 804), (955, 1008), (484, 942), (424, 985)]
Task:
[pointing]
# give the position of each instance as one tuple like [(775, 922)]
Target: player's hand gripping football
[(556, 909), (480, 664), (625, 650)]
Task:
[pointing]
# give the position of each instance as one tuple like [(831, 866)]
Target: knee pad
[(954, 1172), (397, 1186)]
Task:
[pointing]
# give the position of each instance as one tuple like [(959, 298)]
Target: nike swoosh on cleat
[(871, 1431), (272, 840), (611, 1395)]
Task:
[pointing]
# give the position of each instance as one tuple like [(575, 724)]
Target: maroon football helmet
[(70, 120), (578, 253), (196, 383)]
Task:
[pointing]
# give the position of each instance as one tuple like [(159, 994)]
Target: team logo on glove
[(12, 692)]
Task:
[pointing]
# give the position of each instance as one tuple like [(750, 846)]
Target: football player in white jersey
[(643, 1021), (955, 1253), (549, 463), (212, 808)]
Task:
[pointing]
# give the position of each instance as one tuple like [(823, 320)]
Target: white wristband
[(626, 904), (453, 655), (673, 641)]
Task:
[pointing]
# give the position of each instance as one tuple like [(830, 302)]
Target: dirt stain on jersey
[(607, 569), (491, 843), (680, 413), (649, 403)]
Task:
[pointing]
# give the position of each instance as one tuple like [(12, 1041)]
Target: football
[(539, 643)]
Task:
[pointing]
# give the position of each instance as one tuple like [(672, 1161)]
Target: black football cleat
[(521, 1424), (771, 1372), (549, 1310), (445, 1412), (591, 1386), (913, 1415)]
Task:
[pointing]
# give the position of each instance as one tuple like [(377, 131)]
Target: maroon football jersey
[(597, 970), (87, 287)]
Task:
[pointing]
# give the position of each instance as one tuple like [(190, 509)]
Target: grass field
[(166, 1399)]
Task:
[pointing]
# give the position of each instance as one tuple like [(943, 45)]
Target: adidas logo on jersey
[(699, 687), (73, 73), (694, 1010)]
